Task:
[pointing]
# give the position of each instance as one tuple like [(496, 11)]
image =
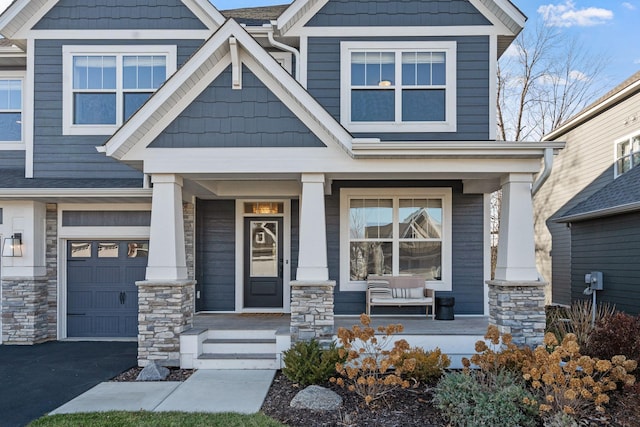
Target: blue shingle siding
[(106, 218), (119, 15), (216, 255), (65, 156), (473, 109), (358, 13), (223, 117), (467, 249), (610, 245)]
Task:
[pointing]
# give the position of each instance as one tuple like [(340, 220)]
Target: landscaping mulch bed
[(400, 408), (175, 374)]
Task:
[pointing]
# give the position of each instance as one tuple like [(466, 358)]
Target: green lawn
[(154, 419)]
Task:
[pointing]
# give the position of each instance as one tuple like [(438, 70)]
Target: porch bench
[(399, 291)]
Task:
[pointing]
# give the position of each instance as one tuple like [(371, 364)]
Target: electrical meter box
[(595, 280)]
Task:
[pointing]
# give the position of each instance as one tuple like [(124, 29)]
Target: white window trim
[(15, 75), (445, 283), (449, 125), (69, 51), (617, 142)]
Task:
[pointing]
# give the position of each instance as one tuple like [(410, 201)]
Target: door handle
[(122, 297)]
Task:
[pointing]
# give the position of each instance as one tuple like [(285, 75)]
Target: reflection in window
[(382, 229), (137, 249), (10, 110), (108, 250), (264, 248), (627, 154), (81, 250)]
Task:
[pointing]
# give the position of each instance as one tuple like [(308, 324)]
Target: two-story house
[(586, 214), (163, 159)]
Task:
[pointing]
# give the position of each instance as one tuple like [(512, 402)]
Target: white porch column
[(167, 260), (516, 248), (312, 255)]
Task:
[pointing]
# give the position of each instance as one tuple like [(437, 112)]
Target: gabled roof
[(620, 196), (203, 68), (22, 15), (255, 15), (301, 11), (624, 90)]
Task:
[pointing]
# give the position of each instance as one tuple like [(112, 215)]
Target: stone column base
[(165, 310), (517, 308), (25, 310), (312, 310)]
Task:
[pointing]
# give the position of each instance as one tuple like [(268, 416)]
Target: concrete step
[(234, 334), (237, 361), (241, 345)]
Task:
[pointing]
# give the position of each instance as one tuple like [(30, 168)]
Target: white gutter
[(285, 47), (542, 178)]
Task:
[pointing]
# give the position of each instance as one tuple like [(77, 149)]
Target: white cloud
[(566, 15), (628, 5), (578, 75)]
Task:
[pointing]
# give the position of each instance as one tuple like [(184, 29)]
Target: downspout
[(542, 178), (284, 47)]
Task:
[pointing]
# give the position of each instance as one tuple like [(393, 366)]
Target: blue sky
[(607, 27)]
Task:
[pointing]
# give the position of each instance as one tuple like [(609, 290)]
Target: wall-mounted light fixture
[(12, 246)]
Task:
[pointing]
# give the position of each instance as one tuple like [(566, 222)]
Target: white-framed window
[(104, 85), (395, 231), (627, 154), (398, 86), (11, 101)]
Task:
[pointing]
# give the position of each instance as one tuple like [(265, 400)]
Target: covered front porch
[(252, 341)]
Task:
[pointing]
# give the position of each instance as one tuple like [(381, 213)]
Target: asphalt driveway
[(35, 380)]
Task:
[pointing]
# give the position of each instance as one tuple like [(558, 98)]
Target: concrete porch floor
[(413, 325)]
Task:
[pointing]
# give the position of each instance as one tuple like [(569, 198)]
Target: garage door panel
[(109, 274), (79, 299), (79, 273), (107, 299), (107, 325), (102, 297)]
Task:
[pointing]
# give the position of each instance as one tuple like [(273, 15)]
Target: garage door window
[(81, 250), (108, 250)]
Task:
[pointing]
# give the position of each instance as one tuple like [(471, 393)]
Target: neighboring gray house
[(587, 211), (164, 159)]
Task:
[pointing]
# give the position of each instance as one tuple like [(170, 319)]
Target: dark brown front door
[(263, 262)]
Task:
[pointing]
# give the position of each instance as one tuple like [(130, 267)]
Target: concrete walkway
[(241, 391)]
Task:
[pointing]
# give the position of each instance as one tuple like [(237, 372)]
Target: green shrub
[(481, 398), (308, 363), (613, 335), (429, 364)]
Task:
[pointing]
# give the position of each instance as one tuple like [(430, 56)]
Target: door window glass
[(81, 250), (108, 250), (264, 248)]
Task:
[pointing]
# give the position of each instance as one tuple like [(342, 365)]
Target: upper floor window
[(627, 154), (105, 85), (10, 108), (398, 87)]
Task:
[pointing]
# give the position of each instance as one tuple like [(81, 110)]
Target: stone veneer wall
[(517, 308), (165, 310), (24, 310), (312, 310), (51, 262), (189, 215)]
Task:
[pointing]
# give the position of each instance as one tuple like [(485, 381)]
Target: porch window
[(627, 154), (105, 85), (401, 233)]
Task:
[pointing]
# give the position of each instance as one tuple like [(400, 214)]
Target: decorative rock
[(317, 398), (153, 372)]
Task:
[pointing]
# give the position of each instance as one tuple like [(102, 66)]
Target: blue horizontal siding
[(223, 117), (66, 156), (467, 248), (355, 13), (12, 159), (119, 15), (473, 109)]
